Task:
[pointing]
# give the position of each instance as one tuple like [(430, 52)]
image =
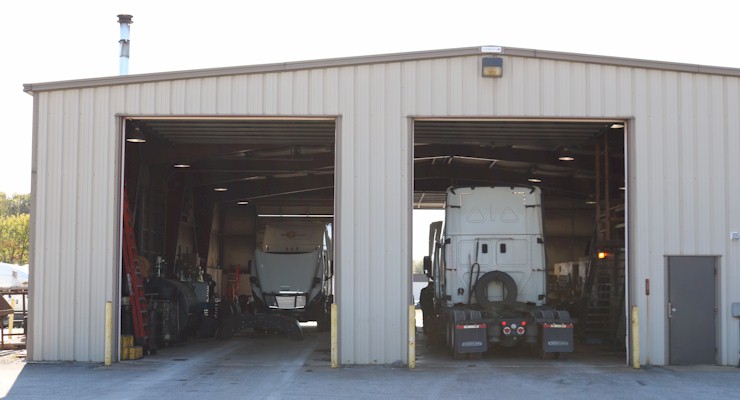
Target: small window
[(484, 248), (502, 248)]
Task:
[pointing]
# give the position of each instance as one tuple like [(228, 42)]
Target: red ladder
[(232, 282), (139, 308)]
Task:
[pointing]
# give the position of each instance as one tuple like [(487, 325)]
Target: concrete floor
[(275, 367)]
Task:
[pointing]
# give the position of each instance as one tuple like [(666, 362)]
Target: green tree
[(14, 238), (4, 205), (15, 217), (17, 204)]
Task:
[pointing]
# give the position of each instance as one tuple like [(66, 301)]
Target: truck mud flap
[(556, 331), (557, 338), (469, 334)]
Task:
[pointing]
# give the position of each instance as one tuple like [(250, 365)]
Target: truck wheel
[(456, 354), (481, 287), (323, 322), (449, 324)]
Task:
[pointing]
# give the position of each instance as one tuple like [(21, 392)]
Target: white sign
[(491, 49)]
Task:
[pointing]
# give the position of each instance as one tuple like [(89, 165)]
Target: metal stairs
[(603, 300), (602, 309)]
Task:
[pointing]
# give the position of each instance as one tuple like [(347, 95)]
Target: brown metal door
[(692, 320)]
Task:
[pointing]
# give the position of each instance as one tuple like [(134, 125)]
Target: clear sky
[(52, 40)]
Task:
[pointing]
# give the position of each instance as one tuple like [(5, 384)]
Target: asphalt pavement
[(264, 366)]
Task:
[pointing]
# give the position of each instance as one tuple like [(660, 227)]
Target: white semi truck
[(488, 275), (293, 272)]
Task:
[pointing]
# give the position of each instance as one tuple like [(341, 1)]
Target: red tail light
[(524, 323), (503, 323)]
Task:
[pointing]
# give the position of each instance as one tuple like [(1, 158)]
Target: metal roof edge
[(250, 69), (375, 59), (623, 62)]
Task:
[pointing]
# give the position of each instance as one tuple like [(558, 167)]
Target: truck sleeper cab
[(488, 274), (293, 271)]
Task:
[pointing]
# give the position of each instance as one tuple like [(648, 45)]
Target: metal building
[(682, 177)]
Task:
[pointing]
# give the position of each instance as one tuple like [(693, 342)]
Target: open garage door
[(217, 208), (579, 168)]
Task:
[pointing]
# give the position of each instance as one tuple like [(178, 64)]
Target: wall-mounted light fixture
[(220, 189), (590, 199), (617, 125), (493, 67), (242, 203), (181, 165)]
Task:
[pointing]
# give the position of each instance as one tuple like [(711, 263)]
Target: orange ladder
[(139, 307)]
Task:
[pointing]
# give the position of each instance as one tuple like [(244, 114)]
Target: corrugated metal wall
[(683, 186), (75, 229)]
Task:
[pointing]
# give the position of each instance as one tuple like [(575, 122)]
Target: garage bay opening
[(528, 257), (227, 233)]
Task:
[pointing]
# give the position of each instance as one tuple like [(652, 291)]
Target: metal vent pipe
[(125, 20)]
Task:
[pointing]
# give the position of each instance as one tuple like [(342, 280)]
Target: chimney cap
[(125, 19)]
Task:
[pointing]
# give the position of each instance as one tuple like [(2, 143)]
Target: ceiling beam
[(275, 188), (507, 153)]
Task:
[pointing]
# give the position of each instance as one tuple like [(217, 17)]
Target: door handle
[(671, 310)]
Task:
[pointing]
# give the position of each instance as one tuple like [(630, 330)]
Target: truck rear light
[(520, 330), (524, 323), (503, 323), (507, 331)]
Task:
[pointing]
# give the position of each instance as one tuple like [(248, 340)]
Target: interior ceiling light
[(590, 199), (566, 155), (532, 178), (182, 165), (242, 203), (136, 136), (617, 125), (220, 189)]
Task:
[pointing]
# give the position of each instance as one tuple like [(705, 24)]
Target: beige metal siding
[(681, 190), (74, 225), (730, 274), (683, 186)]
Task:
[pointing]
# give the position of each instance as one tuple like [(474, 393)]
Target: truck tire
[(481, 287), (457, 315), (323, 322)]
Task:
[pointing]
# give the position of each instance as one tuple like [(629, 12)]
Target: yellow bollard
[(11, 317), (635, 338), (108, 332), (334, 336), (412, 336)]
